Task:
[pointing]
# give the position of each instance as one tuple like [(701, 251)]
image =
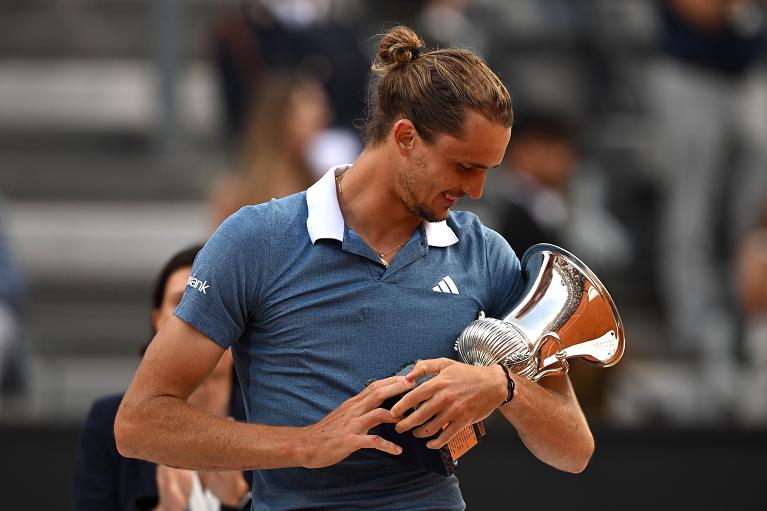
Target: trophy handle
[(560, 355)]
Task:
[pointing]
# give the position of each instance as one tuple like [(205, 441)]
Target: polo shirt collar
[(326, 221)]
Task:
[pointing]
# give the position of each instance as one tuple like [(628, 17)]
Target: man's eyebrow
[(480, 166)]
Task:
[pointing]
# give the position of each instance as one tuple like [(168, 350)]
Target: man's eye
[(465, 168)]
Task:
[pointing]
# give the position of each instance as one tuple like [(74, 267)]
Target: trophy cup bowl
[(564, 312)]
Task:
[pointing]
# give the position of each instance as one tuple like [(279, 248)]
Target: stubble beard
[(429, 216), (408, 183)]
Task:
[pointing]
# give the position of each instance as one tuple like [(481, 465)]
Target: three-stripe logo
[(446, 285)]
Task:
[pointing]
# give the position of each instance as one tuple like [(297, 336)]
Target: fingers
[(427, 409), (424, 391), (430, 366), (375, 417), (416, 398), (379, 391), (174, 486), (345, 429), (447, 433), (408, 402), (435, 425), (381, 383), (376, 442), (208, 479)]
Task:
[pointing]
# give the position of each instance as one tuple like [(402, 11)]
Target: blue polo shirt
[(312, 315)]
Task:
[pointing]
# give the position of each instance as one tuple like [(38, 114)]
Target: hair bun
[(398, 46)]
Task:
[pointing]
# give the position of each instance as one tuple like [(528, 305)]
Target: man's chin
[(440, 218), (432, 216)]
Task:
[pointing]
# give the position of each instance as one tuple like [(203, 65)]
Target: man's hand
[(228, 486), (459, 395), (345, 429), (174, 486)]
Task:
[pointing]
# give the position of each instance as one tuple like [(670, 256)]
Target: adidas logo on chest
[(446, 285)]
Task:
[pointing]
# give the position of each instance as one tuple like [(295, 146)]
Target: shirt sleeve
[(504, 274), (224, 288)]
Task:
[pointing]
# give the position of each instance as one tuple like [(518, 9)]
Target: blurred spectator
[(11, 296), (752, 271), (446, 23), (543, 195), (540, 160), (104, 480), (538, 202), (708, 95), (311, 37), (752, 287), (274, 162)]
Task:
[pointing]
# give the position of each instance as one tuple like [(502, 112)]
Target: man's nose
[(474, 184)]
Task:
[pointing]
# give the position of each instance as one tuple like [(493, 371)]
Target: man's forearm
[(168, 431), (551, 424)]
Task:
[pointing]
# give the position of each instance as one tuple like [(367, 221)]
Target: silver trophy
[(565, 312)]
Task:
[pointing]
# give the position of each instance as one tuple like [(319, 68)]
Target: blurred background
[(130, 129)]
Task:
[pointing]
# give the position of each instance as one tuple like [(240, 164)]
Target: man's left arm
[(546, 415)]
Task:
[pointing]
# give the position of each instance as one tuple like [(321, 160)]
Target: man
[(321, 291)]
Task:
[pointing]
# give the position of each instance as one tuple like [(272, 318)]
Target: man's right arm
[(156, 423)]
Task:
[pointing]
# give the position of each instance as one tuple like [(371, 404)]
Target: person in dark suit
[(547, 192), (104, 480), (540, 161)]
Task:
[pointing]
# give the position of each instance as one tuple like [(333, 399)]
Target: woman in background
[(106, 481), (288, 112)]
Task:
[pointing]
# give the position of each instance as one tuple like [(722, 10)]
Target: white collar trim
[(326, 221)]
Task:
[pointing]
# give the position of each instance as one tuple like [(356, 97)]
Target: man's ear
[(404, 135)]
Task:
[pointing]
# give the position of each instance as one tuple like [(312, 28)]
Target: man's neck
[(370, 204)]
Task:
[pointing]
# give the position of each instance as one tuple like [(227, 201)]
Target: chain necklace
[(381, 255), (338, 183)]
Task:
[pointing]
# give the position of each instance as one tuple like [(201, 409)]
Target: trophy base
[(414, 451)]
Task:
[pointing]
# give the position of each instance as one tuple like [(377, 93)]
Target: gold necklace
[(381, 255)]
